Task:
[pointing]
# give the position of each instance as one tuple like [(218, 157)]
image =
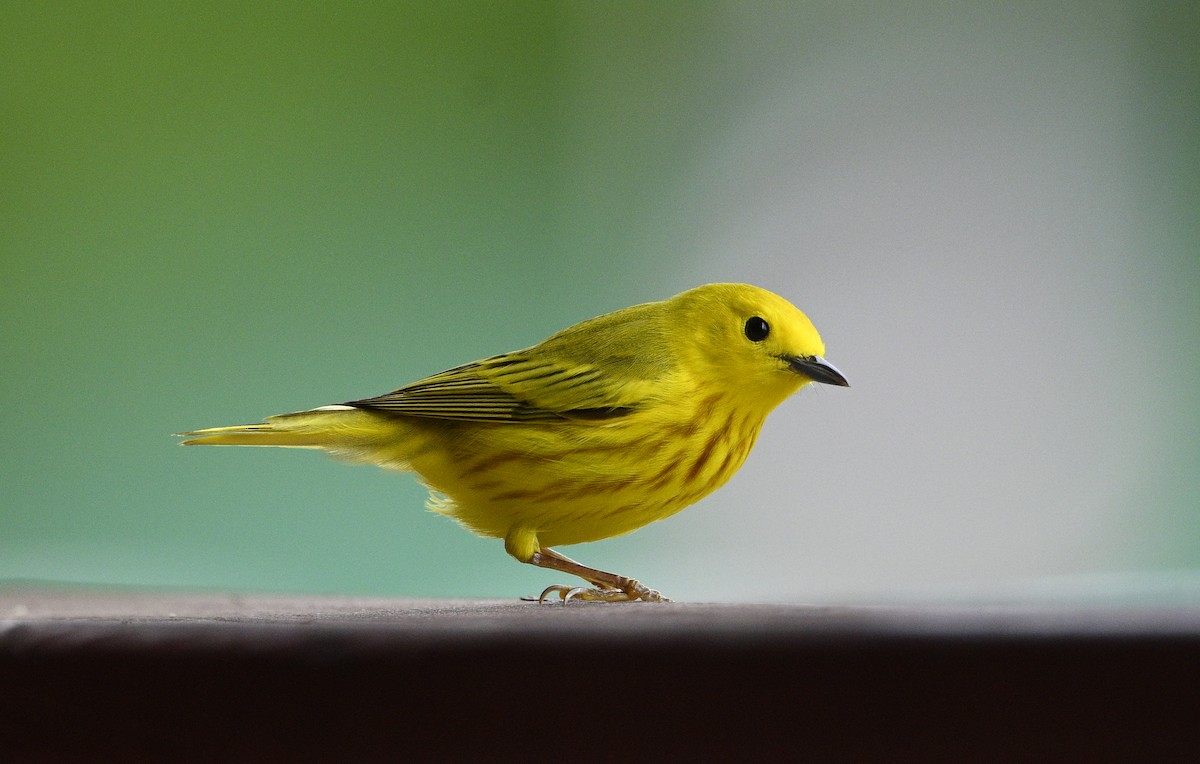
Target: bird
[(598, 430)]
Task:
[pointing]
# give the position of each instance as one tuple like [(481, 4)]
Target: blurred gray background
[(212, 212)]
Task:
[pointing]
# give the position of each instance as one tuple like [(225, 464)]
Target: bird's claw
[(637, 592)]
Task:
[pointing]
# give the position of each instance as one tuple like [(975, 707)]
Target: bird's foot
[(634, 592)]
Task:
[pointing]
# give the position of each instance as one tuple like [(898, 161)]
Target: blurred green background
[(212, 212)]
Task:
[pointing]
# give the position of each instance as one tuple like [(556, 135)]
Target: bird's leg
[(609, 586)]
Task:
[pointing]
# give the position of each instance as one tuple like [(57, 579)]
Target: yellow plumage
[(604, 427)]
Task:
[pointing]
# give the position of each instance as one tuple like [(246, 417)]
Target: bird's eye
[(757, 329)]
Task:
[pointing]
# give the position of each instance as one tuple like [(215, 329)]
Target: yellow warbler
[(604, 427)]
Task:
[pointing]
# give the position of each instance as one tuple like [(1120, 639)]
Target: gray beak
[(818, 369)]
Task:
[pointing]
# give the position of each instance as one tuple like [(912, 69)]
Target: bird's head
[(752, 342)]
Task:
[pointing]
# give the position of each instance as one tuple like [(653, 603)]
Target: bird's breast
[(584, 481)]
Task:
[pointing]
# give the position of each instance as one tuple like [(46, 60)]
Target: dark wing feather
[(602, 368), (515, 387)]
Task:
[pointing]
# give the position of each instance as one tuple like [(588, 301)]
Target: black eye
[(757, 329)]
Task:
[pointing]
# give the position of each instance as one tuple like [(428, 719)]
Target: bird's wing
[(521, 387)]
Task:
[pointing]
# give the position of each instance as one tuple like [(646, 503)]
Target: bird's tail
[(327, 427)]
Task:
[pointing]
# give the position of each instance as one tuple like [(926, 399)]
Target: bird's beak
[(817, 369)]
